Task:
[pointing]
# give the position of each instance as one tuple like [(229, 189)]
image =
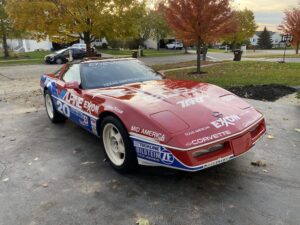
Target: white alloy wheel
[(59, 61), (114, 144), (49, 106)]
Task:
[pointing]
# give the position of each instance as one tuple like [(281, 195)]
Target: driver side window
[(73, 74)]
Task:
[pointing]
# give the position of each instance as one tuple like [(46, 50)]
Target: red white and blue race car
[(144, 119)]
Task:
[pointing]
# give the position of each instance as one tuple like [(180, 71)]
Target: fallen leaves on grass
[(142, 221)]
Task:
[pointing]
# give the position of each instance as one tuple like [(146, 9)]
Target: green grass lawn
[(218, 50), (27, 55), (273, 56), (178, 65), (36, 57), (244, 73), (147, 52)]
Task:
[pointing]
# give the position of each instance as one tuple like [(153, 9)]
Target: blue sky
[(267, 12)]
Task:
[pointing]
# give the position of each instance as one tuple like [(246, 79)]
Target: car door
[(70, 102)]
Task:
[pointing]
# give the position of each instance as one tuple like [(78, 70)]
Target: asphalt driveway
[(57, 174)]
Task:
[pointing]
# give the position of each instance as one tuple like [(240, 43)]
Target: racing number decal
[(63, 108)]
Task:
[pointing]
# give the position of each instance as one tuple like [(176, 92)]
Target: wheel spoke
[(121, 149), (112, 133), (119, 138)]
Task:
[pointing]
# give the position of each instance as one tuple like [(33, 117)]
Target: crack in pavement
[(6, 76)]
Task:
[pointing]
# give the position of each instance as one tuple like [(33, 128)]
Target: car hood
[(186, 107), (50, 55)]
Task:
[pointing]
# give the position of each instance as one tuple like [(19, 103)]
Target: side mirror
[(72, 85)]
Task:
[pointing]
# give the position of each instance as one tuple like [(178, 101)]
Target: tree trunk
[(185, 49), (199, 56), (297, 47), (5, 46), (88, 42), (4, 41), (233, 46), (204, 51), (158, 42)]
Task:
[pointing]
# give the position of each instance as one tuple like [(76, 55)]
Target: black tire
[(57, 117), (130, 163)]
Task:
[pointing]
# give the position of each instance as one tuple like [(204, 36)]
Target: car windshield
[(115, 73)]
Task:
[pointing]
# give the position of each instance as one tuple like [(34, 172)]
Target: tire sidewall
[(57, 117), (130, 162)]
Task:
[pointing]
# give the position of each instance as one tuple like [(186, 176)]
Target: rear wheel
[(117, 145), (52, 113)]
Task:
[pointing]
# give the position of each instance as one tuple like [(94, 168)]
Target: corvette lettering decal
[(209, 138), (226, 121), (191, 101), (153, 134)]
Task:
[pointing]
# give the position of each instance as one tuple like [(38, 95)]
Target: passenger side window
[(73, 74)]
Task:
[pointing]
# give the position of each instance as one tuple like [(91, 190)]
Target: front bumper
[(151, 154)]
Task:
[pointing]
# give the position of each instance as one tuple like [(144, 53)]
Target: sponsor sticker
[(153, 152), (80, 103), (191, 101), (199, 130), (84, 121), (225, 121), (115, 109), (217, 162), (94, 126), (150, 133)]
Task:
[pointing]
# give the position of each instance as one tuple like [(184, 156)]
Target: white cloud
[(265, 5), (267, 12)]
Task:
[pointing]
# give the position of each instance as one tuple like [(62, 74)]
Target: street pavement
[(57, 174)]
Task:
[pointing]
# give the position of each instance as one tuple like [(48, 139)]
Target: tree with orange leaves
[(199, 21), (291, 25)]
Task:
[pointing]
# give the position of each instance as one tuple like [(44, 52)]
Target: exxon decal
[(225, 121)]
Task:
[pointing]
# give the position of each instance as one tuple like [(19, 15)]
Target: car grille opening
[(208, 150), (257, 131)]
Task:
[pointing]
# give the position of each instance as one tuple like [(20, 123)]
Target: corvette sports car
[(142, 118)]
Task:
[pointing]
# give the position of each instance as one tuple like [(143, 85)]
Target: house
[(275, 36), (151, 43), (30, 45)]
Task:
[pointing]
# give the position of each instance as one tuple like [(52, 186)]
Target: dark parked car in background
[(62, 56)]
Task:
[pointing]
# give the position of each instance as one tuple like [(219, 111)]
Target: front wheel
[(59, 61), (52, 113), (117, 145)]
